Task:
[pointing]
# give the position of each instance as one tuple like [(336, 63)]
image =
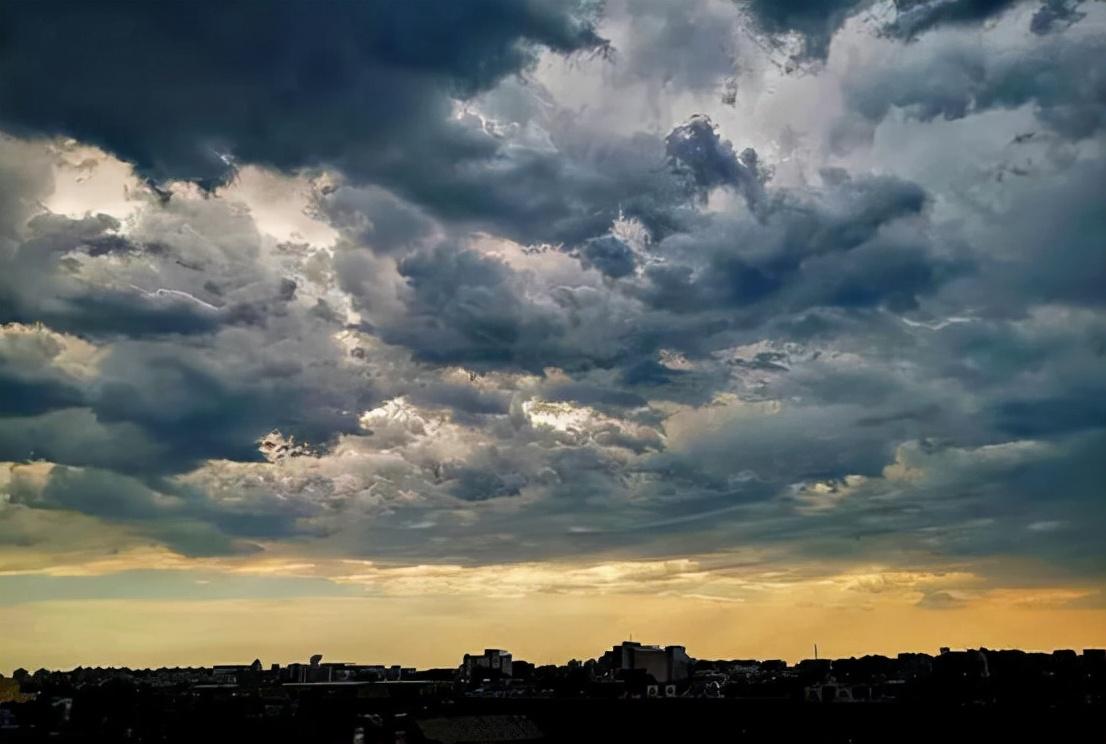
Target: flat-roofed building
[(493, 660), (664, 664)]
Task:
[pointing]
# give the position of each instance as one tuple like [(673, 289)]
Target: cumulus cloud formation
[(954, 77), (815, 23), (285, 86), (406, 292)]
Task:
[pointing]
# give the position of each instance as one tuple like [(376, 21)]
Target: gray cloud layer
[(542, 329)]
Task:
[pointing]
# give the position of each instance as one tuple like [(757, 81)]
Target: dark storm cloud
[(1047, 245), (468, 402), (376, 218), (533, 193), (186, 520), (473, 309), (681, 351), (574, 192), (848, 244), (162, 408), (731, 481), (816, 21), (1008, 501), (178, 89), (1055, 15), (477, 484), (365, 88), (1050, 507), (843, 245), (793, 444), (41, 282), (852, 243), (118, 499), (25, 178), (609, 255), (29, 384), (1042, 415), (1059, 77), (917, 16), (570, 195), (696, 148), (200, 344), (22, 397), (180, 379), (217, 399)]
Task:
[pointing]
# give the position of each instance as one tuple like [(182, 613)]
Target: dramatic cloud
[(182, 91), (958, 76), (704, 302)]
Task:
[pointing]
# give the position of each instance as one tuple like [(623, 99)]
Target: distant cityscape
[(492, 696)]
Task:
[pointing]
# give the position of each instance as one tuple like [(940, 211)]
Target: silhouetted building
[(667, 664), (508, 700), (236, 674), (814, 670), (493, 660)]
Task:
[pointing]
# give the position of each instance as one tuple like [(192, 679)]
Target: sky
[(392, 331)]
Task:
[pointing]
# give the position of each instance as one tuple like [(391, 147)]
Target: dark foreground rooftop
[(645, 695)]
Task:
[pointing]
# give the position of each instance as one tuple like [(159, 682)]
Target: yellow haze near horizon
[(435, 631)]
